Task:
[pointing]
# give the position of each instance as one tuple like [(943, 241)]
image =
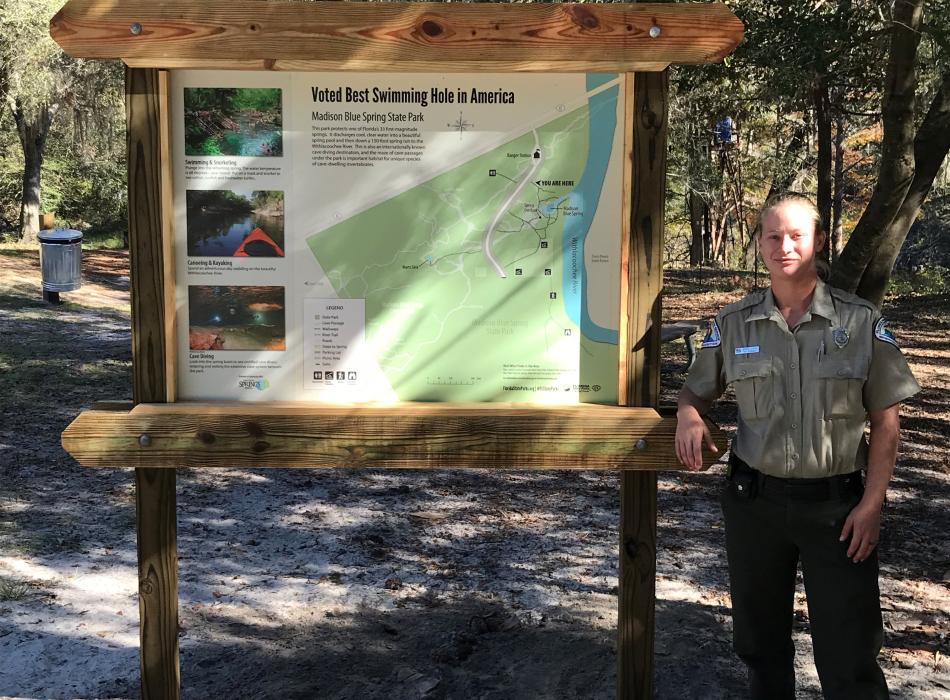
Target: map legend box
[(333, 339)]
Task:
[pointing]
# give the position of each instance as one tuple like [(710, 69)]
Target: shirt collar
[(765, 308), (821, 305)]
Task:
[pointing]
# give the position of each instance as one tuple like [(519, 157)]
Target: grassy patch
[(103, 241), (11, 589)]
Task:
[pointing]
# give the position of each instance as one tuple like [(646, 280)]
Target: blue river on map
[(602, 125)]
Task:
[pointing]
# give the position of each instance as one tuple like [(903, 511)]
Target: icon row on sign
[(333, 375)]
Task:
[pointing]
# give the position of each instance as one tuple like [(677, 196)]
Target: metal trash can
[(60, 261)]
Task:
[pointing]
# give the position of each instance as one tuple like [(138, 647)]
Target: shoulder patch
[(713, 337), (881, 332)]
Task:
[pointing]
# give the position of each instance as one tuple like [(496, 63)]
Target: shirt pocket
[(753, 381), (843, 380)]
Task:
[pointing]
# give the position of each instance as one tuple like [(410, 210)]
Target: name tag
[(747, 350)]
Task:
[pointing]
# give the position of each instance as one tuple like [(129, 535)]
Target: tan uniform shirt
[(803, 393)]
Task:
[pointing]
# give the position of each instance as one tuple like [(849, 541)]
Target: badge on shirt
[(747, 350), (840, 336), (713, 339), (881, 332)]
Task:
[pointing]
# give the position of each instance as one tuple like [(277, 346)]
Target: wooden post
[(149, 191), (641, 283)]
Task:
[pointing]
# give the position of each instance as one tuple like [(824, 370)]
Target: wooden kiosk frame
[(156, 435)]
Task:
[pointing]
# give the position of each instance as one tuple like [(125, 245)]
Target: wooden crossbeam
[(401, 436), (361, 36)]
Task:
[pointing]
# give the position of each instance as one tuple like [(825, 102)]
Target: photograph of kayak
[(235, 223), (236, 318), (233, 122)]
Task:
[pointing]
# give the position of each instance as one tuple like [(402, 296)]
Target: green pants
[(766, 536)]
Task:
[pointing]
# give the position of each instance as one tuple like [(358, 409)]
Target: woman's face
[(788, 241)]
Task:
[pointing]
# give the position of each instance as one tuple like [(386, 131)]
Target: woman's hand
[(863, 526), (691, 432)]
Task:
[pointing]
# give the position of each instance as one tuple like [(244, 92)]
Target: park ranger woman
[(810, 364)]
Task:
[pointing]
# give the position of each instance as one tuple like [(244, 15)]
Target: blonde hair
[(775, 200)]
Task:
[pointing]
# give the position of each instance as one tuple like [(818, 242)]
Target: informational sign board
[(354, 237)]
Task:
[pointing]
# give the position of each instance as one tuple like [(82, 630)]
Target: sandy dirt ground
[(381, 584)]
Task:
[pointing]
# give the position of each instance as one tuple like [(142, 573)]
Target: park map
[(475, 282)]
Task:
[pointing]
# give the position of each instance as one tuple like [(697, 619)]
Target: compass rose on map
[(461, 125)]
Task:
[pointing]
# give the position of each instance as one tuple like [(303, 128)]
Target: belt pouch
[(744, 484)]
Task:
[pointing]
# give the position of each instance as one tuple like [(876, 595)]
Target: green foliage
[(923, 266), (104, 240), (93, 193), (84, 171), (265, 200), (928, 241), (769, 87), (208, 99), (210, 146), (257, 99), (231, 143), (924, 280), (34, 70), (83, 175), (11, 174), (217, 201)]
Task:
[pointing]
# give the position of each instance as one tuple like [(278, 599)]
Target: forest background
[(846, 100)]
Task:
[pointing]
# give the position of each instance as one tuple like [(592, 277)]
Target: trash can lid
[(60, 235)]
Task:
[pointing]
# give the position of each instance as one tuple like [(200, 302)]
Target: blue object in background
[(724, 130)]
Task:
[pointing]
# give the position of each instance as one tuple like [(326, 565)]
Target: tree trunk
[(694, 204), (32, 130), (837, 200), (707, 233), (824, 177), (791, 166), (930, 149), (719, 234), (733, 184), (897, 152), (696, 185)]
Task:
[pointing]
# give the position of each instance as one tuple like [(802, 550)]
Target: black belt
[(820, 489)]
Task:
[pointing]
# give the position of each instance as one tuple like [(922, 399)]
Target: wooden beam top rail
[(400, 436), (420, 37)]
